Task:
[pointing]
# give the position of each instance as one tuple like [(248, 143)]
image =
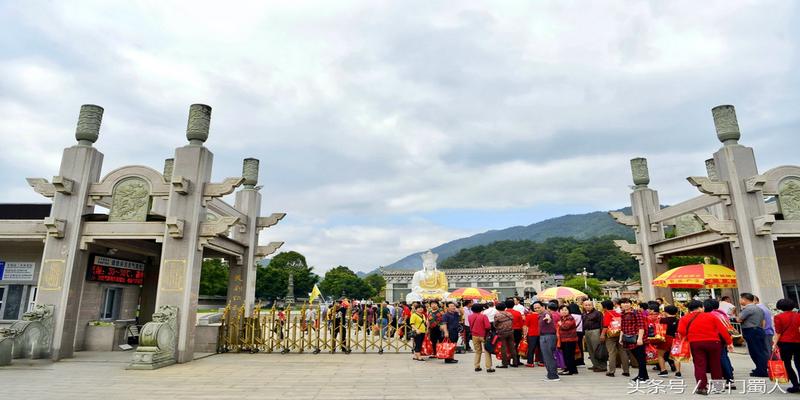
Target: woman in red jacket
[(704, 332), (787, 339), (568, 336)]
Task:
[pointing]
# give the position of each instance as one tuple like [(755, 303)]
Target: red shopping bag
[(680, 350), (776, 369), (651, 354), (427, 347), (498, 350), (445, 349), (523, 347)]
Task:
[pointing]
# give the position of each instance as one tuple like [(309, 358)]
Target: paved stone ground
[(102, 375)]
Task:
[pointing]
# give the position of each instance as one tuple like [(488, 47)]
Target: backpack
[(503, 323), (489, 341)]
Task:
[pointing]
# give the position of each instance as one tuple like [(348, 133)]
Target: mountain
[(578, 226)]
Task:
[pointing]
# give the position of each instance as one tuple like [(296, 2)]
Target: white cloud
[(365, 114)]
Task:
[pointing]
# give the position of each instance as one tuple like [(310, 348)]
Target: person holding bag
[(787, 340), (419, 326), (568, 336), (480, 326), (704, 331), (450, 324), (503, 325), (610, 336), (632, 336)]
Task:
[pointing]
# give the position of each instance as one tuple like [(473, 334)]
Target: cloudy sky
[(385, 128)]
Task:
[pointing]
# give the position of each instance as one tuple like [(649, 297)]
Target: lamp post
[(585, 275)]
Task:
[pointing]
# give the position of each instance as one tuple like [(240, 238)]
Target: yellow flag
[(314, 294)]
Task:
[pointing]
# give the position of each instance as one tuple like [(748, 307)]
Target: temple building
[(515, 280), (120, 253)]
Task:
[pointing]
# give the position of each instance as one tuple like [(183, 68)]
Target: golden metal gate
[(307, 330)]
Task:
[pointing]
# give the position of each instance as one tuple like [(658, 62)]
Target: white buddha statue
[(429, 283)]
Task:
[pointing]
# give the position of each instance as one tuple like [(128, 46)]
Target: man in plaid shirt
[(633, 339)]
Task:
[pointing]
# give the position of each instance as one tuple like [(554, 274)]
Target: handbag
[(601, 352), (489, 342), (523, 347), (427, 346), (630, 339), (651, 354), (559, 356), (445, 349), (776, 368), (680, 351)]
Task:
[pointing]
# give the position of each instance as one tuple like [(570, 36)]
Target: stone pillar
[(242, 278), (754, 259), (644, 202), (181, 255), (63, 263)]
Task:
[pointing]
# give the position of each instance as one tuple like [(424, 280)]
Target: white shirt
[(490, 312), (727, 307), (467, 313), (520, 308)]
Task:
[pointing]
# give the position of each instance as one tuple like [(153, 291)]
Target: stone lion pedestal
[(157, 341)]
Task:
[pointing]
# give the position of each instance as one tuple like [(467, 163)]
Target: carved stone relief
[(687, 224), (131, 201), (789, 199)]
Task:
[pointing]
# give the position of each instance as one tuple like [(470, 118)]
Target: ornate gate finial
[(641, 176), (726, 124), (199, 122), (88, 129)]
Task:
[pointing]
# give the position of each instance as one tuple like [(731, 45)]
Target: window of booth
[(109, 308), (2, 299)]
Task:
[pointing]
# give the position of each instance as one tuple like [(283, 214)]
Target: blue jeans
[(727, 367), (756, 346), (548, 347), (384, 322)]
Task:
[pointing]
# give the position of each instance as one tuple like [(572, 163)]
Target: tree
[(343, 281), (377, 282), (595, 287), (214, 278), (272, 281)]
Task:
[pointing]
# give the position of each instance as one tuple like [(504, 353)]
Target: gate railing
[(308, 330)]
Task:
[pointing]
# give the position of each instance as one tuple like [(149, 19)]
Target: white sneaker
[(551, 380)]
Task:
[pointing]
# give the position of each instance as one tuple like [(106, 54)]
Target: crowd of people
[(603, 338)]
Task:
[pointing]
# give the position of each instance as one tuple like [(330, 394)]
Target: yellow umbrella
[(697, 276), (472, 294), (561, 292)]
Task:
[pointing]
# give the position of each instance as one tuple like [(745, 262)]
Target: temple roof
[(499, 269)]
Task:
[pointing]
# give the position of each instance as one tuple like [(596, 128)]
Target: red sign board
[(107, 269)]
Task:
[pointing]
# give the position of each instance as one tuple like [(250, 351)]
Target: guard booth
[(119, 255)]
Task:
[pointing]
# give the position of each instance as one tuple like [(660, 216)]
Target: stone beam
[(688, 242), (633, 249), (264, 251), (723, 227), (266, 222), (223, 188), (763, 224), (219, 227), (786, 228), (712, 188), (42, 186), (622, 218), (219, 207), (22, 229), (684, 207)]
